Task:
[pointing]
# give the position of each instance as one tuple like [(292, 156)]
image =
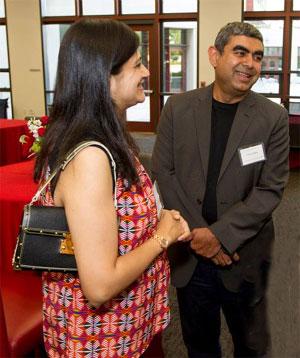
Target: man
[(221, 159)]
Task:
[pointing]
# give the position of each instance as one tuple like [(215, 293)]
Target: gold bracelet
[(163, 242)]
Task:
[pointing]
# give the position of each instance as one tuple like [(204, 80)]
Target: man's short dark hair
[(236, 29)]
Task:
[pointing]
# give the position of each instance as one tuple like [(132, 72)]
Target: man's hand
[(205, 243), (223, 259)]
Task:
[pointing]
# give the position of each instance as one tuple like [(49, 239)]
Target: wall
[(25, 53), (213, 15)]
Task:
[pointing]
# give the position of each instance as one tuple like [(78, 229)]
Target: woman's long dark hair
[(90, 52)]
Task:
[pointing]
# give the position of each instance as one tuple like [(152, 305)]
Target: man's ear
[(213, 55)]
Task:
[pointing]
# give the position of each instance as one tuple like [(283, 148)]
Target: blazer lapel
[(202, 118), (242, 120)]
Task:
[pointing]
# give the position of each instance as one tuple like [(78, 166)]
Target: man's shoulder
[(186, 99), (266, 106)]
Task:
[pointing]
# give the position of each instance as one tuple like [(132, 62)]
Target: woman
[(118, 301)]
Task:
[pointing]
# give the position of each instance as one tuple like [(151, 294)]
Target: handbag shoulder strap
[(69, 157)]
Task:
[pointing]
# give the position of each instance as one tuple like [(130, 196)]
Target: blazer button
[(199, 201)]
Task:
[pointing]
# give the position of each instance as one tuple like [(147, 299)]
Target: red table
[(16, 189), (10, 148), (21, 292)]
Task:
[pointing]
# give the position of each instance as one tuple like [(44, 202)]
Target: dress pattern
[(125, 325)]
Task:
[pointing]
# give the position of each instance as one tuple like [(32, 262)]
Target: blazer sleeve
[(246, 218)]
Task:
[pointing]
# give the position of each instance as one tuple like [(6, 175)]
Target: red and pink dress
[(125, 325)]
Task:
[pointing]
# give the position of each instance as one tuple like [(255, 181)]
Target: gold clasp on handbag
[(66, 245)]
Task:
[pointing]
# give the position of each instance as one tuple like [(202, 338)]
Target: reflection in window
[(58, 7), (295, 54), (103, 7), (2, 10), (263, 5), (138, 7), (294, 106), (296, 5), (179, 56), (295, 84), (171, 6), (267, 84), (272, 31)]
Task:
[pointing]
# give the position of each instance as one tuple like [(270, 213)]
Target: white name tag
[(253, 154), (158, 201)]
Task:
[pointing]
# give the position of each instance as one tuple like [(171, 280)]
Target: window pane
[(275, 99), (58, 7), (295, 54), (295, 84), (272, 31), (49, 101), (294, 107), (171, 6), (263, 5), (102, 7), (296, 5), (3, 48), (4, 95), (52, 36), (267, 84), (2, 10), (4, 80), (179, 56), (141, 111), (138, 7)]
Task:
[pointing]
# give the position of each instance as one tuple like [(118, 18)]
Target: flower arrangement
[(33, 139)]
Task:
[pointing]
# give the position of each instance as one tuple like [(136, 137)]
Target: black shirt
[(221, 121)]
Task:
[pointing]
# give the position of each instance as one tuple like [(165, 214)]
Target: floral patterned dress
[(125, 325)]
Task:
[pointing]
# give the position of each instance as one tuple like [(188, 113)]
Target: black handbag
[(44, 241)]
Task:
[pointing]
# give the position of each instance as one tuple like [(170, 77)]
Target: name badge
[(158, 201), (253, 154)]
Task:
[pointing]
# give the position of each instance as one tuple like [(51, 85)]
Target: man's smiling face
[(237, 68)]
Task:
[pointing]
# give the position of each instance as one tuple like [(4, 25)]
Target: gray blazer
[(246, 195)]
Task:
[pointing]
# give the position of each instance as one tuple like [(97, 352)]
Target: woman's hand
[(173, 227)]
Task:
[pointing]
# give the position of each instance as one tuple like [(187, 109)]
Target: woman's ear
[(213, 55)]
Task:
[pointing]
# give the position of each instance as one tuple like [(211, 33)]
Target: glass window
[(7, 95), (171, 6), (141, 111), (263, 5), (58, 7), (275, 99), (4, 80), (138, 7), (52, 36), (267, 84), (296, 5), (102, 7), (3, 48), (295, 54), (272, 31), (179, 56), (295, 84), (2, 10), (294, 106)]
